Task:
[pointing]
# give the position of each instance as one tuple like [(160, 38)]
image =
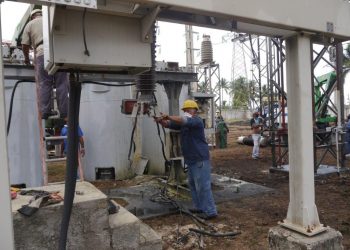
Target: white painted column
[(302, 212), (6, 235)]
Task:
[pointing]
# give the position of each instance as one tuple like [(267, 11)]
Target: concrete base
[(138, 198), (321, 170), (128, 232), (281, 238), (91, 227)]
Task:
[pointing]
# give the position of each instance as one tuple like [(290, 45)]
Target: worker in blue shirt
[(195, 151), (64, 132), (347, 138)]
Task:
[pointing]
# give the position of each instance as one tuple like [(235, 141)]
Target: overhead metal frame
[(271, 72), (322, 139)]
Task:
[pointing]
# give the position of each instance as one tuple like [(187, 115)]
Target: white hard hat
[(35, 12)]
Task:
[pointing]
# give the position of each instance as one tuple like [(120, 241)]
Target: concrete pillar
[(6, 236), (302, 212)]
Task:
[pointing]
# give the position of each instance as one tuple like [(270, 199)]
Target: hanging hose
[(11, 102), (72, 157)]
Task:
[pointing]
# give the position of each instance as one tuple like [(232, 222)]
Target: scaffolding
[(267, 55)]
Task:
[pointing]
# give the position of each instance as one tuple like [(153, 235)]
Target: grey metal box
[(114, 42)]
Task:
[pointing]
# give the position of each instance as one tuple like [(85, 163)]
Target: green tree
[(225, 87), (244, 92)]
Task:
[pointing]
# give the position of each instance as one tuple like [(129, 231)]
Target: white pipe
[(56, 159), (338, 130), (55, 138), (6, 226)]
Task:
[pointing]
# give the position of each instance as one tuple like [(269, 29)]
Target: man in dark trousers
[(33, 37), (196, 155)]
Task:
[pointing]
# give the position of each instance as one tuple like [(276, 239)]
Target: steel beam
[(252, 16), (302, 211)]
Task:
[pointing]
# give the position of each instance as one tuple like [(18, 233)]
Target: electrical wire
[(86, 52), (132, 143), (11, 102)]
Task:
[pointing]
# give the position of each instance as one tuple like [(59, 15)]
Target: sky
[(11, 14), (170, 41)]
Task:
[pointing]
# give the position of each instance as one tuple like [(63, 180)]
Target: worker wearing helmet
[(33, 38), (196, 155)]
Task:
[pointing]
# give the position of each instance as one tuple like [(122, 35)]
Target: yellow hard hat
[(189, 104)]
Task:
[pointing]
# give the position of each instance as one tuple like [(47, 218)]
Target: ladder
[(58, 140)]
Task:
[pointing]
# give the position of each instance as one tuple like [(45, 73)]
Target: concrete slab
[(91, 227), (139, 198), (232, 189), (283, 238), (128, 232), (88, 229), (322, 169), (149, 239)]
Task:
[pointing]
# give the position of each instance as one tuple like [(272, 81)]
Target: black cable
[(11, 102), (108, 84), (132, 143), (72, 158), (86, 52)]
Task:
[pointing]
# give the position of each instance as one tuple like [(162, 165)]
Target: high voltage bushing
[(206, 50), (147, 82)]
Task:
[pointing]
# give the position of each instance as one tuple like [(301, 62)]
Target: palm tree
[(244, 92), (225, 87)]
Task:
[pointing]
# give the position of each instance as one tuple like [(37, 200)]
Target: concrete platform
[(139, 198), (91, 227), (281, 238)]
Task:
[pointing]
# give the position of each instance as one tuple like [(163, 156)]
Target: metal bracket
[(147, 23)]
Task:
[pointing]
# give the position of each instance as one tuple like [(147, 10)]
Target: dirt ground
[(252, 216)]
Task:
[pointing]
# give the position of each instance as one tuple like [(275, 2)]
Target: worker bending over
[(195, 151), (33, 37)]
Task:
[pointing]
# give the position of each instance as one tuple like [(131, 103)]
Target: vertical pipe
[(278, 68), (72, 157), (259, 70), (282, 87), (340, 98), (271, 97), (313, 107), (6, 236)]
